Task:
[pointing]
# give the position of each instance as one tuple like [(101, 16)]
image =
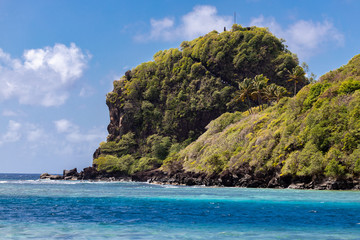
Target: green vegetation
[(314, 134), (297, 75), (161, 106)]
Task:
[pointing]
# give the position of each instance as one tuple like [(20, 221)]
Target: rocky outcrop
[(70, 174), (243, 177), (89, 173), (51, 176)]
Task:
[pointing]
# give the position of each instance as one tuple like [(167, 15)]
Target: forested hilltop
[(161, 106)]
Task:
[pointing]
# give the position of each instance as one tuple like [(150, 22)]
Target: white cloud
[(73, 133), (200, 21), (305, 38), (65, 126), (9, 113), (35, 134), (16, 130), (13, 133), (43, 76)]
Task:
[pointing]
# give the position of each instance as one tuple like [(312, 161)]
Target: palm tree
[(274, 92), (297, 75), (269, 92), (259, 84), (245, 91), (279, 93)]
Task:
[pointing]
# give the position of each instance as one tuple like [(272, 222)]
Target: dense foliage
[(161, 106), (314, 134)]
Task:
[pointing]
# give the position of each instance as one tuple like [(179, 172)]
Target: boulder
[(50, 176), (89, 173), (44, 176), (70, 173), (56, 177)]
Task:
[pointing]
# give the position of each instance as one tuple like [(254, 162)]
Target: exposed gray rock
[(51, 177), (70, 173)]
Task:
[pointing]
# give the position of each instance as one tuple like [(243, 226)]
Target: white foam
[(170, 186), (61, 182)]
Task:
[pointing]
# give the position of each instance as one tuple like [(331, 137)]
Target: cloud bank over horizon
[(43, 76)]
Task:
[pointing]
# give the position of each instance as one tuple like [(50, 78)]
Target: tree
[(269, 92), (246, 88), (279, 93), (259, 84), (274, 92), (296, 75)]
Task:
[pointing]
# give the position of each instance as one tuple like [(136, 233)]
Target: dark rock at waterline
[(50, 176), (244, 176), (90, 173), (247, 179), (70, 173)]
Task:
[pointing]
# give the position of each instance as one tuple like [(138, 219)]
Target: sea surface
[(44, 209)]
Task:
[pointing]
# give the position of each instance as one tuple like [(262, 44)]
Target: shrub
[(146, 163), (111, 163), (334, 168), (349, 86), (311, 161)]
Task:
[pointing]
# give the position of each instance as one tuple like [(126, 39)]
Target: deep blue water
[(43, 209)]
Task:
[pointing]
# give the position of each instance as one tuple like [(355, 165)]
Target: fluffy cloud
[(200, 21), (73, 133), (17, 131), (43, 76), (35, 134), (304, 38), (12, 134), (65, 126)]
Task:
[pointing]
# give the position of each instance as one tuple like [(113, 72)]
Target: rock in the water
[(56, 177), (89, 173), (70, 173), (44, 176), (50, 176)]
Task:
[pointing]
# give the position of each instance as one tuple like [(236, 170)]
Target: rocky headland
[(231, 109)]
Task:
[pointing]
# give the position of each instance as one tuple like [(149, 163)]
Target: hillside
[(161, 106), (307, 141)]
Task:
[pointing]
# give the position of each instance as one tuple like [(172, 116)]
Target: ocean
[(44, 209)]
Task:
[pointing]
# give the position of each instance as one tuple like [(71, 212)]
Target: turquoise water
[(43, 209)]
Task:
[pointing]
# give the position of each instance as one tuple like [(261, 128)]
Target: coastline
[(225, 179)]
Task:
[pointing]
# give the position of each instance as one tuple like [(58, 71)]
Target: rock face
[(89, 173), (70, 174), (241, 179), (51, 177)]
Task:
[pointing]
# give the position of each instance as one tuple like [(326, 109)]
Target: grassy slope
[(316, 133)]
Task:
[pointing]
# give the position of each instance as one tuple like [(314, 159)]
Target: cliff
[(161, 106)]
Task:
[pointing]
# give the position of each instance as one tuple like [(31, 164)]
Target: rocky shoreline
[(89, 173), (225, 179)]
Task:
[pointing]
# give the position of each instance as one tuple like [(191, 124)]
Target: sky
[(59, 58)]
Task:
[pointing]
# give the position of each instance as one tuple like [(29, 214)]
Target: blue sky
[(58, 59)]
